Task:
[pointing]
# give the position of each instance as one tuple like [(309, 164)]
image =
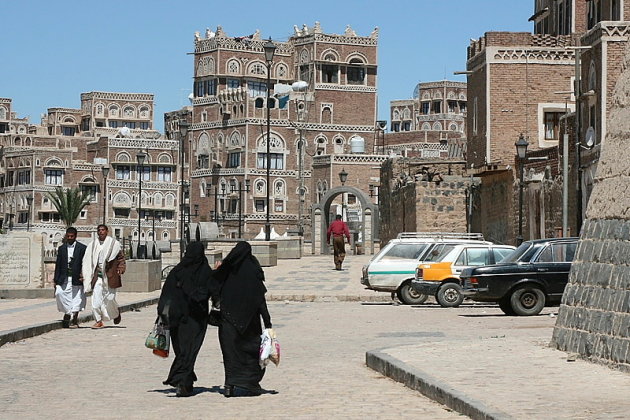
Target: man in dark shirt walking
[(338, 229)]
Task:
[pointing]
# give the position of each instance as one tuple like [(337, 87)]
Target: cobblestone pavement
[(108, 373), (326, 323)]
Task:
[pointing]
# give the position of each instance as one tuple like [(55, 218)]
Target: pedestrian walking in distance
[(183, 307), (338, 229), (242, 300), (68, 279), (103, 266)]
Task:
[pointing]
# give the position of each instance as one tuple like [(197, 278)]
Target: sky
[(52, 51)]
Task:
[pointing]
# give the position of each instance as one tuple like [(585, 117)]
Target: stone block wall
[(594, 316)]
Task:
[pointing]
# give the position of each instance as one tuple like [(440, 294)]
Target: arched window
[(356, 72), (100, 109), (3, 113), (113, 110), (437, 126), (453, 127), (338, 145), (276, 153), (321, 145), (257, 68), (592, 77), (129, 112), (282, 71), (144, 112), (326, 115), (233, 66), (396, 115), (279, 188)]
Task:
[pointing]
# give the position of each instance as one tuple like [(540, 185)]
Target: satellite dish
[(589, 138), (191, 97), (381, 124), (124, 131)]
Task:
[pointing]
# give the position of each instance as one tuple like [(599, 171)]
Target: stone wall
[(594, 316)]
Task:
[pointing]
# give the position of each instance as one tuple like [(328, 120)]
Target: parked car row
[(452, 267)]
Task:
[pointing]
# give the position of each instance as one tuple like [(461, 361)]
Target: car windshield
[(404, 252), (523, 253)]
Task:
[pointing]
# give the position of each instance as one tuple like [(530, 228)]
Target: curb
[(328, 298), (430, 387), (22, 333)]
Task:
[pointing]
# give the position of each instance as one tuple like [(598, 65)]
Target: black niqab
[(187, 287), (242, 289)]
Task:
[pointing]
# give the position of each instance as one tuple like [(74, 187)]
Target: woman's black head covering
[(242, 291), (187, 284)]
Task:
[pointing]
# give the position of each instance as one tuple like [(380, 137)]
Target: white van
[(394, 267)]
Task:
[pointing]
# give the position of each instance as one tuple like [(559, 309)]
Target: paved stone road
[(109, 374)]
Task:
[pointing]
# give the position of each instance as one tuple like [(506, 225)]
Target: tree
[(69, 203)]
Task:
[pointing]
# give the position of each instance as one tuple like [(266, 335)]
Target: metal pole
[(240, 209), (104, 198), (565, 174), (267, 223), (181, 200), (153, 214), (301, 187), (519, 238), (139, 200), (578, 128)]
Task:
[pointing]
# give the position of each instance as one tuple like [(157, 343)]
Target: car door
[(471, 257), (553, 264)]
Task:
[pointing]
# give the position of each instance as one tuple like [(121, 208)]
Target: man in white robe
[(103, 265), (68, 280)]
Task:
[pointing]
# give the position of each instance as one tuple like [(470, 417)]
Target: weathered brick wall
[(441, 207), (594, 317), (494, 209), (422, 201)]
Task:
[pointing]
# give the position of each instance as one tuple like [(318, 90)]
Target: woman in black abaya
[(183, 306), (242, 298)]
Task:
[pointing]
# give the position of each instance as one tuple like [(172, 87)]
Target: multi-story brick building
[(70, 147), (601, 62), (432, 124), (313, 131), (522, 83)]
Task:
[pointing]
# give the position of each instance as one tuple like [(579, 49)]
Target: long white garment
[(97, 254), (104, 305), (70, 298)]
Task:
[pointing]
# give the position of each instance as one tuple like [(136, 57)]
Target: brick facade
[(334, 116)]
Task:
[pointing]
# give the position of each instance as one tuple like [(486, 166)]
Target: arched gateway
[(321, 210)]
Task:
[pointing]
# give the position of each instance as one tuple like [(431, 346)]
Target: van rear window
[(405, 252)]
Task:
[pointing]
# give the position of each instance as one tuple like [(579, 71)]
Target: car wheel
[(450, 295), (506, 306), (527, 300), (408, 296)]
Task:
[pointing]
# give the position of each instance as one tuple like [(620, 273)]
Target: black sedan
[(532, 277)]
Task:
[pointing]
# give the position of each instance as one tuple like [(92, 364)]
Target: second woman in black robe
[(183, 306), (239, 283)]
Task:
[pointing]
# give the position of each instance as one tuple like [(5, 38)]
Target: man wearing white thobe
[(68, 280), (103, 265)]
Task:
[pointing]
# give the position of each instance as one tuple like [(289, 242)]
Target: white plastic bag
[(269, 348)]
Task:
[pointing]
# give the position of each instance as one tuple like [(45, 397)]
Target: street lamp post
[(240, 191), (521, 150), (270, 48), (343, 176), (183, 133), (105, 170), (140, 157), (380, 126), (29, 200)]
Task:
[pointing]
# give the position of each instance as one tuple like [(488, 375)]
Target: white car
[(394, 267)]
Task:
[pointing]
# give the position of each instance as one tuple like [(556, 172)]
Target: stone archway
[(319, 216)]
